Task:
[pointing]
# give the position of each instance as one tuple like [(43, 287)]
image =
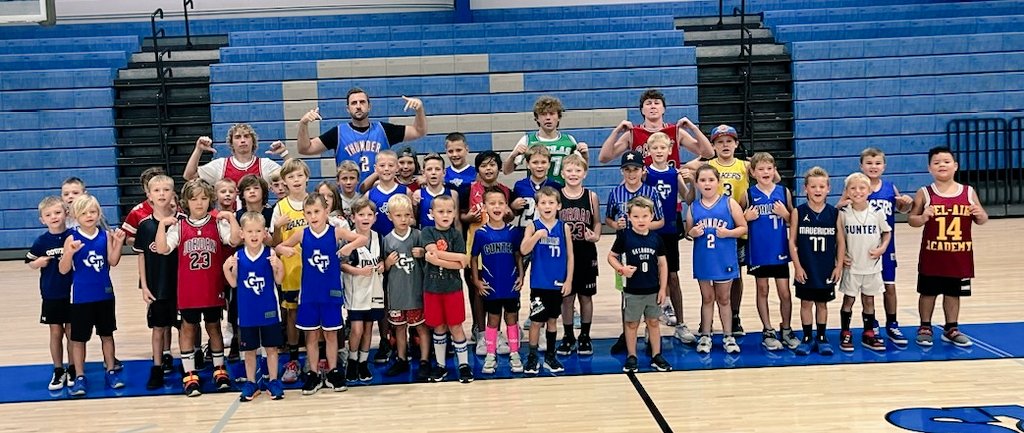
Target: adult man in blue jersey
[(360, 139)]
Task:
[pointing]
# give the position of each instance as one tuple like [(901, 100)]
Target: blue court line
[(27, 383)]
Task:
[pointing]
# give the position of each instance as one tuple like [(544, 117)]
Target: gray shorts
[(638, 307)]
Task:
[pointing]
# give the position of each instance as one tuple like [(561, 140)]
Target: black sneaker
[(532, 365), (631, 364), (400, 366), (438, 373), (585, 347), (156, 378), (423, 373), (659, 363), (167, 364), (552, 364), (566, 347), (335, 381), (352, 371), (383, 354), (58, 379), (465, 373), (364, 372), (620, 345), (311, 383)]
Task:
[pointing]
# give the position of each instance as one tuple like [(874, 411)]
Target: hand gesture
[(205, 144), (417, 252), (282, 221), (976, 209), (620, 223), (904, 201), (624, 126), (147, 296), (723, 232), (73, 246), (518, 203), (780, 209), (590, 235), (277, 148), (414, 104), (417, 198), (928, 213), (684, 122), (686, 174), (843, 202), (231, 262), (274, 260), (800, 275), (286, 251), (541, 234), (226, 216), (41, 262), (697, 230), (519, 149), (750, 214), (117, 236), (876, 252), (478, 213), (391, 259), (582, 148), (310, 116), (169, 221)]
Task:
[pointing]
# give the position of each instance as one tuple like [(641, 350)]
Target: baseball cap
[(632, 159), (721, 130)]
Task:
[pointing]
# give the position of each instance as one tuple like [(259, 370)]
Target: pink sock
[(491, 336), (513, 337)]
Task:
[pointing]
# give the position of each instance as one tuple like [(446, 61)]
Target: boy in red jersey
[(946, 209)]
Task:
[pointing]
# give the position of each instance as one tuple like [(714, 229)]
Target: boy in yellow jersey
[(286, 220)]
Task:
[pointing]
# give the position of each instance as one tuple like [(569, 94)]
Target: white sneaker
[(730, 345), (704, 345), (481, 347), (668, 315), (684, 335), (490, 364), (515, 362), (503, 344)]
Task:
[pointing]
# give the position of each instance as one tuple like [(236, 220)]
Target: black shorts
[(496, 306), (770, 271), (55, 312), (671, 244), (545, 305), (584, 275), (371, 315), (741, 251), (85, 317), (209, 315), (254, 337), (162, 313), (947, 286), (815, 295)]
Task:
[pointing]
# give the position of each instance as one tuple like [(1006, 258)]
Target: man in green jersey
[(547, 112)]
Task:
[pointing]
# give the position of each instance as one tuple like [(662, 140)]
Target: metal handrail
[(746, 52), (186, 5), (162, 74)]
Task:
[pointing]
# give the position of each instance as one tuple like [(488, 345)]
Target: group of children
[(390, 250)]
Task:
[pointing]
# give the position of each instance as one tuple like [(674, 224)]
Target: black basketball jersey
[(816, 245), (161, 269), (579, 215)]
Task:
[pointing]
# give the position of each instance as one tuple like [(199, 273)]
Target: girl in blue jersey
[(434, 175), (90, 251), (714, 222)]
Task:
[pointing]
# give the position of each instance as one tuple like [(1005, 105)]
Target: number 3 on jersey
[(727, 189), (199, 260)]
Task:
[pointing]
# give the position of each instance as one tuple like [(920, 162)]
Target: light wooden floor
[(837, 398)]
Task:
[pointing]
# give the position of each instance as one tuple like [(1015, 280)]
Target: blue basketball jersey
[(321, 268), (769, 238), (361, 147), (549, 264), (496, 250), (714, 258), (90, 281), (258, 303), (884, 201), (460, 180), (426, 201), (380, 199), (666, 183), (527, 190), (816, 245)]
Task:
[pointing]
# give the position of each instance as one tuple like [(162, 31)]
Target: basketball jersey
[(236, 173), (642, 251), (735, 181), (365, 292), (559, 147), (426, 219), (460, 179), (578, 214), (947, 249), (549, 265), (816, 245), (714, 258), (321, 268), (666, 183), (640, 136), (258, 303), (769, 237), (884, 201), (346, 206), (496, 250), (620, 196), (527, 190), (292, 265), (405, 278), (476, 200), (200, 264), (380, 198), (361, 147), (161, 269), (863, 231), (90, 281)]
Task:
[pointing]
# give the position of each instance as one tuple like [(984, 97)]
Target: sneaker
[(221, 379), (79, 387), (156, 378), (770, 340), (566, 347), (118, 365), (532, 364), (190, 383), (704, 344), (364, 372), (846, 341), (276, 389), (383, 354), (400, 366), (465, 373), (789, 339), (490, 364), (803, 349), (481, 348), (729, 344), (438, 373), (114, 379), (871, 341), (924, 336), (249, 392), (957, 338), (737, 329), (895, 335), (291, 372), (515, 362), (684, 335), (423, 373), (659, 363), (352, 371), (503, 348), (552, 364), (71, 375), (167, 363), (620, 345), (526, 324), (668, 315), (824, 348), (335, 380), (631, 365), (58, 379), (311, 383), (584, 346)]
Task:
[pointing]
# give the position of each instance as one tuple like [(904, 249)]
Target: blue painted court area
[(27, 383)]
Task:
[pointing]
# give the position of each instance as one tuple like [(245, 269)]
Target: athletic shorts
[(585, 266), (497, 306), (319, 315), (671, 244), (636, 308), (194, 316), (889, 268), (856, 285), (55, 311), (815, 295), (162, 313), (371, 315), (545, 305), (741, 251), (947, 286), (255, 337), (412, 317), (289, 299), (770, 271), (85, 317), (444, 309)]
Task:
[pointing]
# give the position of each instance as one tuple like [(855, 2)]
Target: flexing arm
[(530, 238), (419, 124), (617, 143), (306, 145), (693, 139), (203, 144)]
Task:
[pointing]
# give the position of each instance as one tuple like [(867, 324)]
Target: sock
[(890, 319), (926, 324), (512, 332), (821, 331), (807, 333), (440, 346), (218, 359), (950, 325), (844, 319), (188, 361), (363, 356), (293, 352), (491, 338), (584, 329), (869, 321), (569, 333), (461, 351), (551, 337)]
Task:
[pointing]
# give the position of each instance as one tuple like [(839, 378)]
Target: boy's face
[(278, 188), (386, 166), (708, 183), (942, 166), (252, 233), (241, 143), (573, 174), (433, 170), (640, 217), (365, 218), (70, 191), (548, 206), (816, 188), (296, 182), (226, 194), (548, 121), (347, 180), (873, 166), (858, 192), (443, 212), (160, 194), (495, 205), (198, 205), (406, 166), (539, 166), (632, 175), (456, 151), (315, 214), (725, 146), (488, 171), (328, 196), (253, 194), (653, 109), (53, 216), (764, 172), (401, 218), (659, 151)]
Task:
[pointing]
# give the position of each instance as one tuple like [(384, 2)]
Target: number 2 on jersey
[(711, 242), (364, 164)]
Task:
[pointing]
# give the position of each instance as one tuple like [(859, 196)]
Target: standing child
[(581, 211), (408, 168), (227, 201), (90, 251), (277, 185), (287, 220), (460, 174), (227, 195), (487, 166), (331, 195), (867, 237), (54, 287), (252, 270), (386, 187), (70, 189), (403, 260), (638, 255), (443, 307), (364, 286), (202, 238), (946, 209), (715, 222), (433, 172), (815, 239), (143, 209), (547, 239), (348, 182)]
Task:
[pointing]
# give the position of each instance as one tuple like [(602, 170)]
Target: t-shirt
[(52, 283), (642, 251), (161, 270), (361, 144), (424, 217), (437, 279), (405, 278), (496, 249), (363, 293), (863, 233), (135, 216)]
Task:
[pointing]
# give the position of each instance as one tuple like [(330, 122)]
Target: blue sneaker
[(824, 348), (114, 380), (803, 349), (79, 387), (276, 389), (249, 392)]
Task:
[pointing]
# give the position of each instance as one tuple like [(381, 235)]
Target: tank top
[(235, 173), (640, 136), (90, 281), (526, 189), (426, 219), (200, 261), (666, 182), (258, 303), (769, 237), (559, 147), (380, 198), (947, 249), (578, 213), (735, 179), (292, 265), (816, 245), (321, 268), (365, 292), (549, 265), (361, 147), (714, 258), (884, 201)]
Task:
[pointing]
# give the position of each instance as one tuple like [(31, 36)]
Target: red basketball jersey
[(200, 264), (640, 136), (237, 173), (946, 246)]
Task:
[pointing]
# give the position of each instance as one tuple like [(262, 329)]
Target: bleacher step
[(177, 56), (711, 23), (726, 37), (178, 43), (179, 72), (734, 51)]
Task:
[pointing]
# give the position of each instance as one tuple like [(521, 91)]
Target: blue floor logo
[(979, 419)]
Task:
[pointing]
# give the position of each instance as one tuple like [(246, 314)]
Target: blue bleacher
[(56, 99), (56, 138), (99, 59), (888, 29), (835, 15), (877, 105), (57, 79), (908, 66), (128, 44), (804, 91), (56, 119), (906, 46)]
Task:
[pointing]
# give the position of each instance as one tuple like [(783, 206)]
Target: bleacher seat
[(835, 15)]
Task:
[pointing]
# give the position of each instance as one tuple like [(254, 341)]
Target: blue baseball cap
[(721, 130)]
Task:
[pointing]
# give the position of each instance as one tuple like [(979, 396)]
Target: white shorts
[(854, 285)]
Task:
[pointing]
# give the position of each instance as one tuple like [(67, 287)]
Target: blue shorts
[(319, 315), (254, 337), (371, 315), (889, 268)]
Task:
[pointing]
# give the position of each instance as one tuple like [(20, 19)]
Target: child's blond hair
[(225, 182), (537, 150), (577, 160), (398, 203), (292, 165), (760, 158), (659, 137), (83, 203), (49, 201), (815, 172), (252, 217), (857, 177), (192, 189), (641, 202)]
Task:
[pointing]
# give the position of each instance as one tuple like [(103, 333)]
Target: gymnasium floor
[(755, 391)]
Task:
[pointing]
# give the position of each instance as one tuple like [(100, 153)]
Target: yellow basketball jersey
[(735, 180), (292, 265)]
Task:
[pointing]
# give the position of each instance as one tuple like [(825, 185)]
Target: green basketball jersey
[(561, 147)]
